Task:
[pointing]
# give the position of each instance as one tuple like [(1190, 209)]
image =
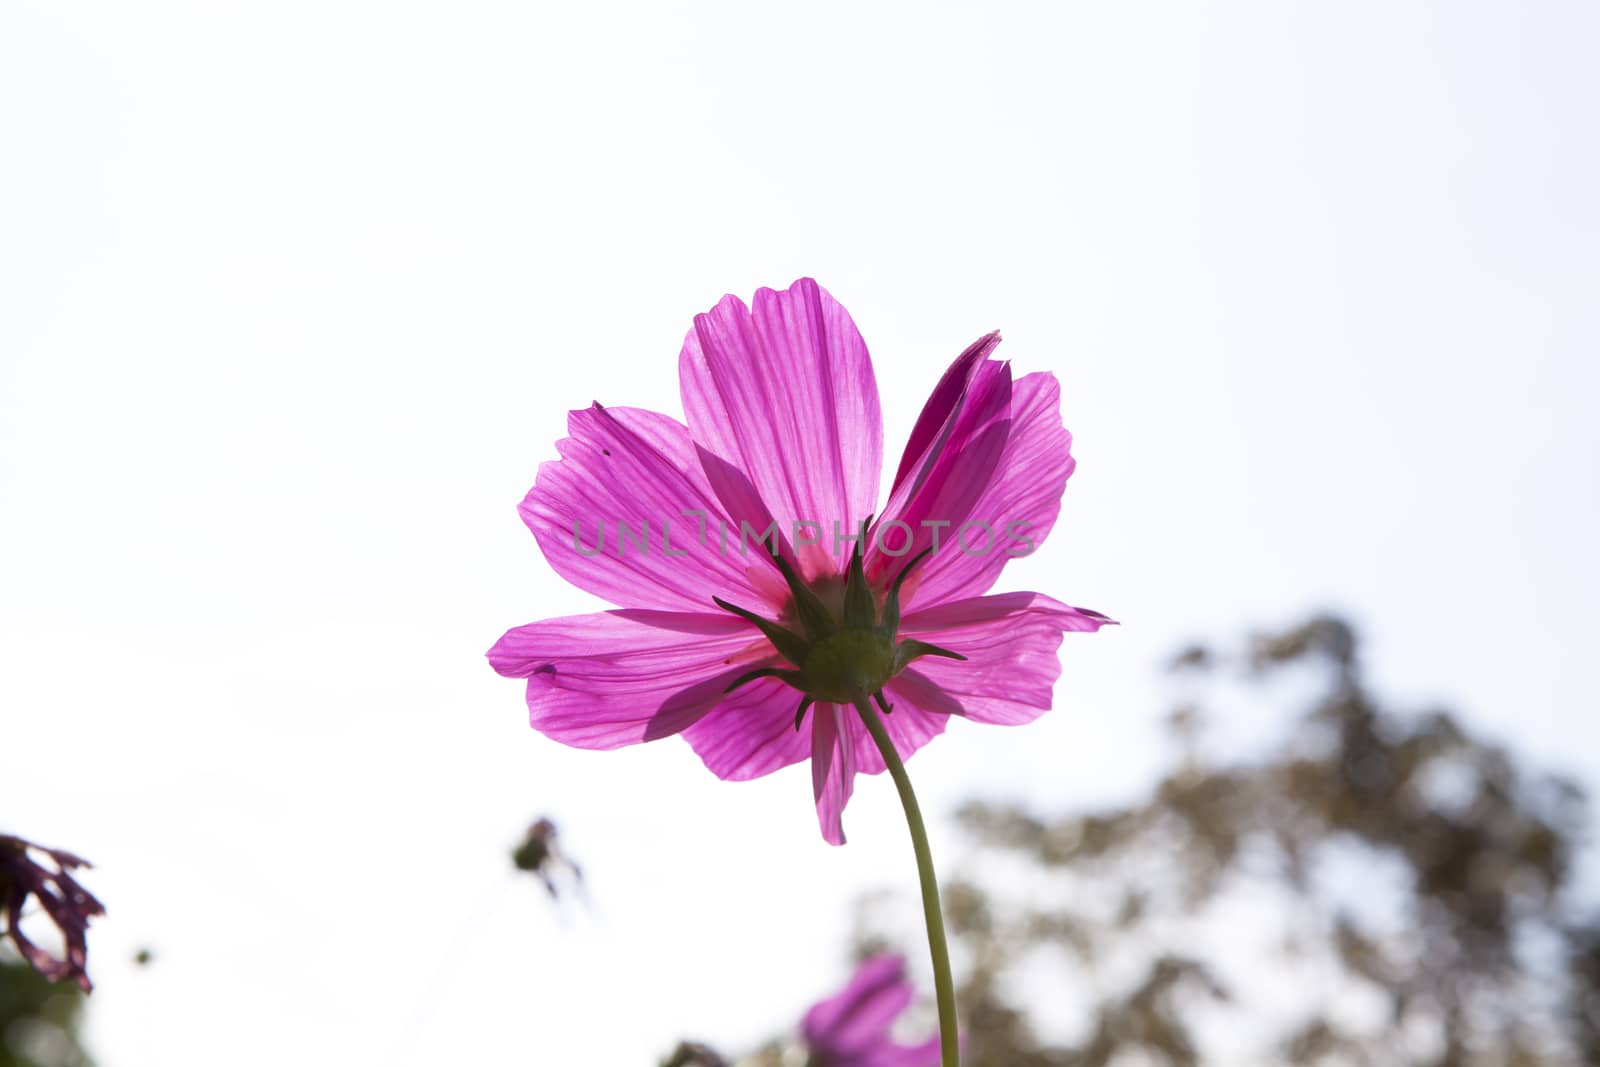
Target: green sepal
[(891, 603), (860, 613), (792, 677), (810, 610), (911, 649), (790, 646)]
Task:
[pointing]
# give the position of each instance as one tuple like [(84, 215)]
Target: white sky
[(293, 298)]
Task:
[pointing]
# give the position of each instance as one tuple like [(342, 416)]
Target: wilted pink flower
[(59, 896), (751, 589), (541, 855), (851, 1028)]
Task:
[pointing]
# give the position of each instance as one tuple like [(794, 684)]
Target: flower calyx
[(843, 655)]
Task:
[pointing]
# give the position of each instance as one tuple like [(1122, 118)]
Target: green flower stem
[(944, 988)]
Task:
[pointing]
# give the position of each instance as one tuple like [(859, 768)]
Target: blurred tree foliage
[(1377, 889), (38, 1019), (694, 1054)]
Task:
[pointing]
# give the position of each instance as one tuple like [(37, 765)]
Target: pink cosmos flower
[(751, 577), (851, 1028)]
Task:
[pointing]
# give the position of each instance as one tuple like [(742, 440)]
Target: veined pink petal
[(910, 726), (1001, 608), (638, 469), (1019, 503), (1010, 642), (784, 391), (621, 677), (751, 733), (833, 767), (933, 499), (913, 689), (752, 532)]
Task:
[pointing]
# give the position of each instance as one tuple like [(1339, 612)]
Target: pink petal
[(752, 531), (1001, 608), (1019, 503), (1010, 642), (923, 1055), (910, 725), (913, 689), (949, 477), (857, 1019), (640, 469), (751, 733), (784, 391), (833, 767), (621, 677), (934, 421)]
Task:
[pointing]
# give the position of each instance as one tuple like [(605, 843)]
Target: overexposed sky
[(293, 299)]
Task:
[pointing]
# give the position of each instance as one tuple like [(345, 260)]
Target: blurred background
[(294, 299)]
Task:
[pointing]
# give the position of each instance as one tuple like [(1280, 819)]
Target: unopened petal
[(1018, 505), (938, 491), (934, 423)]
